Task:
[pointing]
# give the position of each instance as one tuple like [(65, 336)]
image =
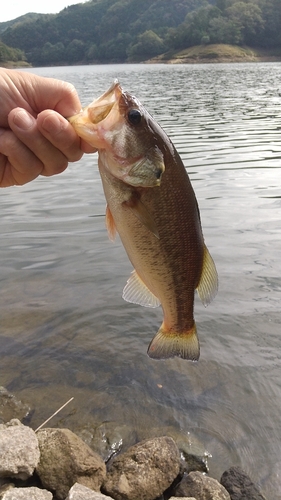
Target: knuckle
[(8, 141), (55, 168)]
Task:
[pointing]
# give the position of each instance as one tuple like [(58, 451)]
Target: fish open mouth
[(102, 106), (88, 123), (99, 109), (99, 113)]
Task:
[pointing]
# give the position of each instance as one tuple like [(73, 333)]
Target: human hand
[(35, 138)]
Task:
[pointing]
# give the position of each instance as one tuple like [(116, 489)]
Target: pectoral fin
[(136, 291), (208, 284), (141, 212), (110, 224)]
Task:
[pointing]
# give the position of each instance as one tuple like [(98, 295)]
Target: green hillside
[(134, 30)]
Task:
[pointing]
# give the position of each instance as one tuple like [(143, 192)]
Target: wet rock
[(193, 452), (27, 494), (19, 450), (144, 471), (107, 438), (10, 407), (201, 487), (80, 492), (194, 455), (239, 485), (190, 463), (66, 459)]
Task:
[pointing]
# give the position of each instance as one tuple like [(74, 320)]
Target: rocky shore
[(56, 464)]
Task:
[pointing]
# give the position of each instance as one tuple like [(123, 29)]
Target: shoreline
[(198, 54), (53, 463), (217, 53)]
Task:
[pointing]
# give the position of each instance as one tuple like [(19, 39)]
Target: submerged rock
[(144, 471), (80, 492), (19, 450), (239, 485), (201, 487), (11, 408), (27, 494), (190, 463), (107, 439), (66, 459)]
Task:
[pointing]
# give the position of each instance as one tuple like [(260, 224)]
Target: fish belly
[(170, 265)]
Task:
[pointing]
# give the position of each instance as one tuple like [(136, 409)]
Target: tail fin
[(168, 344)]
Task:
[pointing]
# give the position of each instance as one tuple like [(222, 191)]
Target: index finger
[(41, 93), (60, 133)]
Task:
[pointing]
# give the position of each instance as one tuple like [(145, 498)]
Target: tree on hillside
[(115, 30), (10, 54), (52, 54), (223, 30), (248, 18), (116, 49), (148, 45), (75, 51), (194, 29), (271, 15)]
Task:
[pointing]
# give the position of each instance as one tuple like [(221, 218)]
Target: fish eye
[(134, 116)]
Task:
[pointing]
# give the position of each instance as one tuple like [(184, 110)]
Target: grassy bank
[(15, 64), (218, 53)]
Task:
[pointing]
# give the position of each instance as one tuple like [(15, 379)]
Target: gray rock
[(239, 485), (144, 471), (10, 407), (27, 494), (183, 498), (201, 487), (66, 459), (19, 450), (80, 492), (5, 487)]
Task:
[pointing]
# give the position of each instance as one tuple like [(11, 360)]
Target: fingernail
[(23, 119), (52, 124)]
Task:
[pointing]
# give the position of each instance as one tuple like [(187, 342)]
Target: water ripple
[(65, 330)]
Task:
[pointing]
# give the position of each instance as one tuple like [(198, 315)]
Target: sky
[(17, 8)]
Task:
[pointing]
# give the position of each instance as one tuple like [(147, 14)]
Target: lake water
[(65, 330)]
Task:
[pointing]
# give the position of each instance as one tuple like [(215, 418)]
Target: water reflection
[(65, 330)]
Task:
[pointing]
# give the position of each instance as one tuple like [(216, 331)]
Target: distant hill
[(133, 30), (20, 19)]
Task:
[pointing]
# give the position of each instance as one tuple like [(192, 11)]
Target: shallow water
[(65, 330)]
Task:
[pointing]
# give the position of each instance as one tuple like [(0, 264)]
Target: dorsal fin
[(208, 284)]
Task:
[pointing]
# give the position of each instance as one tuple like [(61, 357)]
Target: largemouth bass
[(152, 205)]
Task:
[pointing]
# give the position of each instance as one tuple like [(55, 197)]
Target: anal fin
[(136, 291)]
